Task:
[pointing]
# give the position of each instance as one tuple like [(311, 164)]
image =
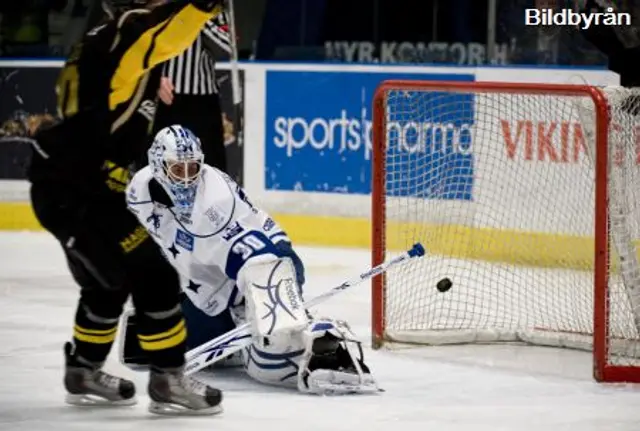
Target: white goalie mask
[(176, 160)]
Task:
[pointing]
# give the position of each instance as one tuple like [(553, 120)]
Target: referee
[(189, 95)]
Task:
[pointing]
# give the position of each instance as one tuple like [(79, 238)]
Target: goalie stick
[(240, 337)]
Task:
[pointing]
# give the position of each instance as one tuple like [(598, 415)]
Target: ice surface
[(446, 388)]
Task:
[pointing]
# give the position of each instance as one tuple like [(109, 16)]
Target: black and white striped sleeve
[(193, 71), (217, 31)]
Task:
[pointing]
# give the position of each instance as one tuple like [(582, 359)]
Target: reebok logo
[(292, 293)]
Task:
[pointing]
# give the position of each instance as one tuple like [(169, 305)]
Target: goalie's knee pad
[(324, 358), (273, 296)]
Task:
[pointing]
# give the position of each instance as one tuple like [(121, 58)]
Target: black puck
[(444, 285)]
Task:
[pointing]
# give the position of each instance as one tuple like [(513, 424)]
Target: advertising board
[(318, 133)]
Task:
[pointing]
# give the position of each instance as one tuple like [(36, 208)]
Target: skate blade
[(91, 400), (171, 409)]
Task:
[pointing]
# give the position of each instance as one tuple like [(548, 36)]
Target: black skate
[(173, 393), (87, 385)]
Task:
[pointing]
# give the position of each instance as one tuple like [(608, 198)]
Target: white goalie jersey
[(233, 256), (210, 245)]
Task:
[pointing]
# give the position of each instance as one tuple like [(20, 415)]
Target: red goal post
[(545, 283)]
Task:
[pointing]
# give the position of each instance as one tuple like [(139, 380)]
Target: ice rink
[(432, 389)]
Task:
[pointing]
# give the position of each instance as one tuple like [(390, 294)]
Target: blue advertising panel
[(318, 135)]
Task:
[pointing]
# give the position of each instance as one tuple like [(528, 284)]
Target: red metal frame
[(378, 201), (602, 371)]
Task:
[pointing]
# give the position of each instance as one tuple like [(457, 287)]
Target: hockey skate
[(173, 393), (88, 385)]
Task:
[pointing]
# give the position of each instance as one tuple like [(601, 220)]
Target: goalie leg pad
[(273, 297), (325, 358), (274, 360)]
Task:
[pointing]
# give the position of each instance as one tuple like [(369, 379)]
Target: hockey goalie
[(238, 265)]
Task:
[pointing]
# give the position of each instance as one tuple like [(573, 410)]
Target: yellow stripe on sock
[(164, 340), (95, 331), (95, 336), (179, 326)]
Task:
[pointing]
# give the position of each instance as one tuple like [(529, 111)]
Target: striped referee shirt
[(193, 71)]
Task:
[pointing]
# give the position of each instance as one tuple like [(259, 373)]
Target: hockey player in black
[(79, 170)]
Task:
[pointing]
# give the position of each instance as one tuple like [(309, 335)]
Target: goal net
[(527, 197)]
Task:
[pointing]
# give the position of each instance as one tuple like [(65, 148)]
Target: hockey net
[(527, 197)]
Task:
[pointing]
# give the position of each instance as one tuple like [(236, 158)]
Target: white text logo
[(353, 134), (549, 17)]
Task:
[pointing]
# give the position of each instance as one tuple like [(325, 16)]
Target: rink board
[(526, 248), (318, 212)]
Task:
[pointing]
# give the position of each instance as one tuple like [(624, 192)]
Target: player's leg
[(201, 328), (94, 267), (103, 240), (94, 331), (161, 327)]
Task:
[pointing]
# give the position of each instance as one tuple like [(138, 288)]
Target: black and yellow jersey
[(104, 86)]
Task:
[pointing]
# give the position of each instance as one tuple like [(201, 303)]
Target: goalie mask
[(176, 161)]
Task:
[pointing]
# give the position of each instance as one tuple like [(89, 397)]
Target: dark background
[(27, 95), (400, 31), (295, 30)]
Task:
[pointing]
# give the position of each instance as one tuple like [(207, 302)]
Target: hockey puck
[(444, 285)]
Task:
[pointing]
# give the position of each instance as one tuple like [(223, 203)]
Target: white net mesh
[(499, 187)]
